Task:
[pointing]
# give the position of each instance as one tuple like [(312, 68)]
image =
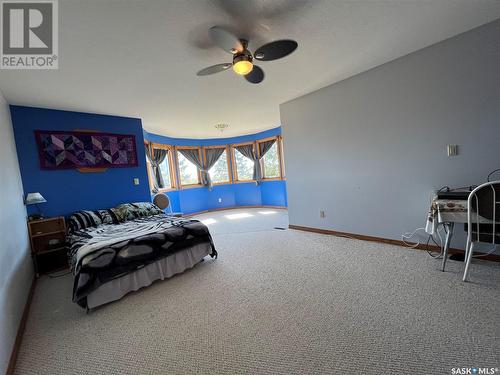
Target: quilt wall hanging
[(77, 149)]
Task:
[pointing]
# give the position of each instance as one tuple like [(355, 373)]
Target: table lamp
[(36, 199)]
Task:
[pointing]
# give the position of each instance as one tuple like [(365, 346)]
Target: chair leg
[(467, 246), (447, 245), (468, 260), (445, 255)]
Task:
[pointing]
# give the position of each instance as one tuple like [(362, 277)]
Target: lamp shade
[(34, 198)]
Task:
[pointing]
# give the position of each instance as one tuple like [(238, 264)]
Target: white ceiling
[(139, 58)]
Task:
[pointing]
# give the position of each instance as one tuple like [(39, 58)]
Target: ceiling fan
[(243, 60)]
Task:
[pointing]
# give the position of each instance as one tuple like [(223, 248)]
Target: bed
[(115, 251)]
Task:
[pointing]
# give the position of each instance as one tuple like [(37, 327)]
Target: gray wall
[(370, 149), (16, 272)]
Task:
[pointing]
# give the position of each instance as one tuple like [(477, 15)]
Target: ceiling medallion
[(221, 127)]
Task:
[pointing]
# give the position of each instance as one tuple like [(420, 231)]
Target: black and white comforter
[(99, 254)]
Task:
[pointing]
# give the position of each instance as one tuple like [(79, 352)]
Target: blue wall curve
[(67, 191), (268, 193)]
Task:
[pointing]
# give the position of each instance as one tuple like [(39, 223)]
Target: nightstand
[(48, 248)]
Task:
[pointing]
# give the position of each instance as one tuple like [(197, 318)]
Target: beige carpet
[(278, 302)]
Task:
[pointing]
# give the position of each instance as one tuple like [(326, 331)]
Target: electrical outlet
[(220, 200), (452, 150), (322, 214), (136, 181)]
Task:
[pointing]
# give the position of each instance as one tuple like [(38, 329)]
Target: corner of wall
[(16, 270)]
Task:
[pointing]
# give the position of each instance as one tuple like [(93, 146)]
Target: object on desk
[(47, 238), (456, 194), (484, 201), (444, 211), (36, 199), (447, 212)]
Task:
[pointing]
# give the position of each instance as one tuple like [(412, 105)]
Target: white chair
[(483, 214)]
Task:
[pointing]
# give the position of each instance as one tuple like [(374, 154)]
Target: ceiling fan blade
[(256, 75), (214, 69), (225, 40), (275, 50)]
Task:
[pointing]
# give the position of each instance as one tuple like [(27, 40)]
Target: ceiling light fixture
[(221, 127), (242, 64), (243, 59)]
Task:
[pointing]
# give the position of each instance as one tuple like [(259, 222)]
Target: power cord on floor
[(430, 252), (409, 235)]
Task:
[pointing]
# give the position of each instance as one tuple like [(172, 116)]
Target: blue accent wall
[(268, 193), (67, 191), (274, 193)]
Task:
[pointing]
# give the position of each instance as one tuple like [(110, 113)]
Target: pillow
[(131, 211), (123, 212), (142, 209), (83, 219), (107, 216)]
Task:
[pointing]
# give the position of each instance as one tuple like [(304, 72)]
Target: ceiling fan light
[(242, 67)]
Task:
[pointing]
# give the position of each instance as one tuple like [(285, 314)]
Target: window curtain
[(264, 147), (212, 155), (156, 156), (193, 155), (249, 152)]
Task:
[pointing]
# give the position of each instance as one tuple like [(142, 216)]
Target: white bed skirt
[(162, 269)]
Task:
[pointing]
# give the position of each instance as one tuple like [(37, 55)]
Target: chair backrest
[(484, 202), (161, 200)]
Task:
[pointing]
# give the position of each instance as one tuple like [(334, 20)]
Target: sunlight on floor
[(244, 220), (209, 221), (237, 216), (267, 212)]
